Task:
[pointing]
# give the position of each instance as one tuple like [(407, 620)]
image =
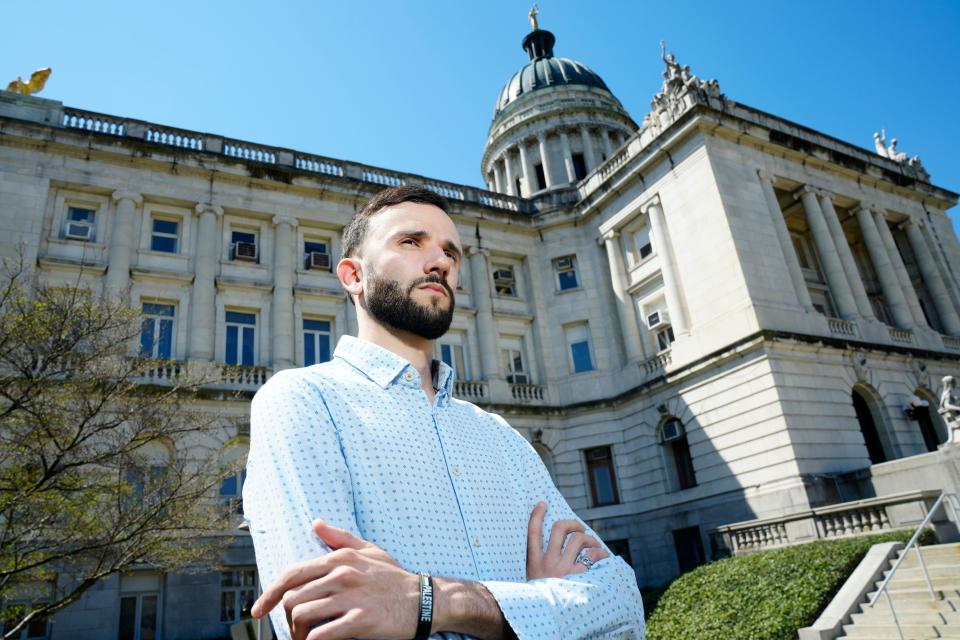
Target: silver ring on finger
[(584, 559)]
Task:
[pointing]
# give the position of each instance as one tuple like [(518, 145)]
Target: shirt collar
[(384, 367)]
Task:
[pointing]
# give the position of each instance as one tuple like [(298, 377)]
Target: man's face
[(411, 260)]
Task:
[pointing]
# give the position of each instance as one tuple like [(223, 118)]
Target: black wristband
[(425, 617)]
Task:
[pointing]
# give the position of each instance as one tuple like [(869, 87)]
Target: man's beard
[(386, 301)]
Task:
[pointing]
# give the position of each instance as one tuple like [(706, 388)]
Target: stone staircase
[(919, 616)]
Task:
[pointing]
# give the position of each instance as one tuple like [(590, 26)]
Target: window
[(513, 366), (316, 255), (146, 481), (80, 224), (664, 339), (165, 235), (578, 338), (37, 629), (231, 491), (316, 341), (156, 333), (452, 354), (241, 338), (566, 270), (603, 481), (642, 243), (678, 461), (237, 594), (541, 178), (244, 246), (621, 548), (138, 616), (579, 166), (689, 548), (504, 280)]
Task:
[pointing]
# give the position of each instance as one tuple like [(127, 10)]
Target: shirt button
[(408, 376), (456, 471), (476, 541)]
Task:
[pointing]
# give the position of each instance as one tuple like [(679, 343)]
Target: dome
[(544, 70)]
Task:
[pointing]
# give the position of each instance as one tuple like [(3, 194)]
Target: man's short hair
[(356, 230)]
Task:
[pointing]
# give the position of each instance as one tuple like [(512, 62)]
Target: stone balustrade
[(472, 390), (862, 517), (528, 392), (901, 336), (656, 364), (307, 163), (950, 342), (840, 327), (161, 372), (245, 378)]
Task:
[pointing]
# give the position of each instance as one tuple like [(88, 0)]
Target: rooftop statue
[(534, 12), (680, 88), (37, 79), (890, 152)]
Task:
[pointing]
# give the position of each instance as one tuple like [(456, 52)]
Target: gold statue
[(37, 79), (534, 12)]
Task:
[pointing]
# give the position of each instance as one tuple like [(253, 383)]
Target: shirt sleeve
[(296, 473), (603, 602)]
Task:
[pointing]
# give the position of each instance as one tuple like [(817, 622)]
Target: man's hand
[(356, 591), (558, 560)]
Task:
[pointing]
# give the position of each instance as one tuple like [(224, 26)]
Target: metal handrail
[(952, 501)]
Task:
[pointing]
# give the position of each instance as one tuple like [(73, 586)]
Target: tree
[(99, 472)]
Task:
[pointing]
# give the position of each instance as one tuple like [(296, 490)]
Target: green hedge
[(764, 596)]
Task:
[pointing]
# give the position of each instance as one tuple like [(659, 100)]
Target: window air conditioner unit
[(564, 264), (658, 319), (518, 378), (318, 260), (245, 251), (503, 277), (78, 231), (671, 430)]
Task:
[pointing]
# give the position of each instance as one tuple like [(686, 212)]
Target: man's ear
[(350, 275)]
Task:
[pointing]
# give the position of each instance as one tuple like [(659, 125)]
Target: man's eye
[(408, 241)]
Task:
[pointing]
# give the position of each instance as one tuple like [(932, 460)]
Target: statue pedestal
[(21, 107)]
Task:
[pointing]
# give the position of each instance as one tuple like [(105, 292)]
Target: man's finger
[(338, 538), (338, 629), (576, 542), (307, 615), (535, 531), (558, 535), (291, 578)]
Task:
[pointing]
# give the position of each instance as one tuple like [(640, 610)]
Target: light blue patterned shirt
[(446, 489)]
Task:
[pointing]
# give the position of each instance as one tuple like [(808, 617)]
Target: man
[(399, 479)]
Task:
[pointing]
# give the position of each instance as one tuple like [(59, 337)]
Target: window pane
[(309, 348), (166, 244), (314, 246), (148, 618), (604, 484), (248, 345), (244, 236), (316, 325), (231, 355), (446, 354), (165, 344), (128, 617), (154, 309), (567, 279), (227, 606), (229, 486), (165, 226), (241, 318), (78, 214), (246, 603), (37, 628), (581, 357), (146, 337)]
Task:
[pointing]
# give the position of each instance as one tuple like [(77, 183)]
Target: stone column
[(607, 145), (282, 326), (933, 280), (846, 257), (626, 311), (945, 272), (827, 250), (529, 174), (122, 242), (545, 159), (567, 157), (498, 176), (483, 302), (203, 312), (588, 155), (786, 243), (892, 292), (664, 249), (508, 173), (899, 268)]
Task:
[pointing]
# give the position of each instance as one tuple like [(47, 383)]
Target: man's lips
[(436, 288)]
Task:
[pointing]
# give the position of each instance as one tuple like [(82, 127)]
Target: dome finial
[(534, 12), (539, 42)]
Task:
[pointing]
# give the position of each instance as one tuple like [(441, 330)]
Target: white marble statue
[(950, 410), (880, 142)]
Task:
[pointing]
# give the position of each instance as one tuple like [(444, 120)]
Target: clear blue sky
[(411, 85)]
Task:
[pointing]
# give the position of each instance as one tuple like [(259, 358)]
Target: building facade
[(714, 317)]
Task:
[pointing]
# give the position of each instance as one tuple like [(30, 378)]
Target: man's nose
[(438, 262)]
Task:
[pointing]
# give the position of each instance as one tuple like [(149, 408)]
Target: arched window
[(677, 458), (930, 422), (868, 426)]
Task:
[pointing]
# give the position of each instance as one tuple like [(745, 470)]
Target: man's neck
[(412, 348)]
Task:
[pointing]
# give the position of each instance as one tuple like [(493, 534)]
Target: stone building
[(721, 330)]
